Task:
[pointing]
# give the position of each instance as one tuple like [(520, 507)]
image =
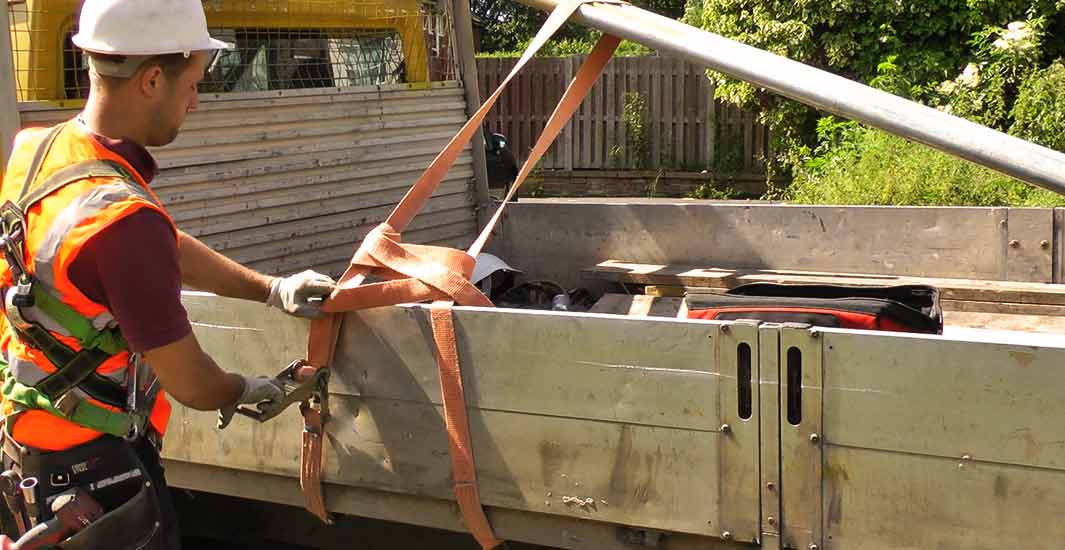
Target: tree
[(908, 47), (509, 26)]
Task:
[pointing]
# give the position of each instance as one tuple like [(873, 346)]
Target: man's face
[(176, 96)]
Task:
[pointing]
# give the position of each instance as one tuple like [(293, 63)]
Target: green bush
[(566, 47), (860, 165), (1039, 113)]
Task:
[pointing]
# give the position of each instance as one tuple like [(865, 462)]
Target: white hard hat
[(488, 264), (144, 28)]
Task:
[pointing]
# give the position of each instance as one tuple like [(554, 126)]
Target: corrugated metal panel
[(285, 181)]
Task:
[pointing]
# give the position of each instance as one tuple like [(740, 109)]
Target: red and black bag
[(908, 308)]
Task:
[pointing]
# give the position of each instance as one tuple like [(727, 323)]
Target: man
[(93, 268)]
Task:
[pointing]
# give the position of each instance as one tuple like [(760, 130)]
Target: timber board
[(716, 278)]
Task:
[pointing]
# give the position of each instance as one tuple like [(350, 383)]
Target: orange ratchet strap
[(413, 273)]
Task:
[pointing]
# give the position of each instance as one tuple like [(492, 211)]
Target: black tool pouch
[(110, 471), (133, 525)]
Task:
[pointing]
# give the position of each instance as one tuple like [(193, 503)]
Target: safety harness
[(413, 273), (75, 370)]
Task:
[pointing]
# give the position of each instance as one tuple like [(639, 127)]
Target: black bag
[(111, 472), (906, 308)]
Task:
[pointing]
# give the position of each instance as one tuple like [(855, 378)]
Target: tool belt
[(906, 308), (109, 469)]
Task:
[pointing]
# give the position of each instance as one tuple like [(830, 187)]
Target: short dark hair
[(173, 64)]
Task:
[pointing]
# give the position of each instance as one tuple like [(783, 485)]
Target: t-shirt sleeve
[(132, 268)]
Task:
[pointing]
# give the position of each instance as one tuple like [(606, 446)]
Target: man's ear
[(151, 81)]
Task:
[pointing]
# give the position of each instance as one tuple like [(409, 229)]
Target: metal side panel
[(593, 417), (1028, 247), (933, 442), (800, 437), (738, 357), (769, 392)]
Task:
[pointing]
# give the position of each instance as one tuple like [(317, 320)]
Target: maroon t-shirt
[(132, 267)]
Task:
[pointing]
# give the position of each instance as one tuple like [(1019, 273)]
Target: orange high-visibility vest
[(57, 228)]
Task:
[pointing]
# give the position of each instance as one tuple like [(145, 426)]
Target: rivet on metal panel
[(815, 438), (725, 329), (814, 333), (771, 486), (1015, 243), (1003, 223), (771, 520), (1044, 244), (966, 457), (725, 428), (727, 535), (813, 547)]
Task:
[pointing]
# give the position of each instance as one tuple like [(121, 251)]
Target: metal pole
[(834, 94), (9, 116), (463, 24)]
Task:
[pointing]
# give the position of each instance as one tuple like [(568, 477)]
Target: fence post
[(9, 116), (567, 132), (711, 126), (463, 28)]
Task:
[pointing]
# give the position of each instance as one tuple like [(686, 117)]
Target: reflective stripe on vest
[(57, 228)]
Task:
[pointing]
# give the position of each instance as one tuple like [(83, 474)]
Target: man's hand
[(296, 295), (261, 391)]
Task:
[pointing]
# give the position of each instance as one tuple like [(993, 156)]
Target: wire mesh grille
[(278, 45)]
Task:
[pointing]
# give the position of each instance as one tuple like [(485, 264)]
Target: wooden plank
[(951, 289), (637, 305), (646, 76), (567, 142), (1007, 308), (550, 433), (270, 207), (668, 140), (655, 103), (621, 137), (680, 70), (535, 109), (597, 123), (610, 115), (528, 137), (260, 174), (1005, 321), (223, 153), (711, 126), (341, 230), (705, 127), (692, 115)]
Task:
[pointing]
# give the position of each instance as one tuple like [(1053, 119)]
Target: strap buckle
[(301, 382)]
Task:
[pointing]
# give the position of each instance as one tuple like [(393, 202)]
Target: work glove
[(302, 294), (261, 391)]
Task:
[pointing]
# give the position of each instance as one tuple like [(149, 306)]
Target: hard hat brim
[(211, 44)]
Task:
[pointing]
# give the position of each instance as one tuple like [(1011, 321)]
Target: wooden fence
[(644, 113)]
